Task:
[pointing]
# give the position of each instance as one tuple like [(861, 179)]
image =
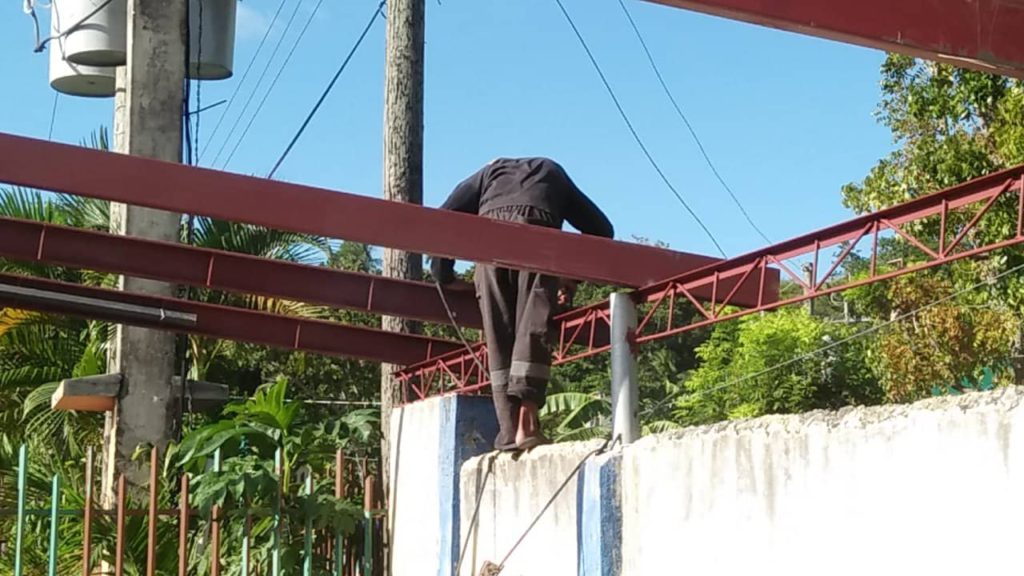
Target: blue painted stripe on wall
[(447, 483), (467, 429), (599, 518)]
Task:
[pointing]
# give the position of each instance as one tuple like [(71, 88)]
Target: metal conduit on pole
[(625, 423)]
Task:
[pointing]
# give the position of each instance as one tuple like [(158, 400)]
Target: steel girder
[(285, 332), (292, 207), (30, 241), (978, 34)]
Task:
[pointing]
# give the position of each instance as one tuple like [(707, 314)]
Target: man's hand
[(566, 292)]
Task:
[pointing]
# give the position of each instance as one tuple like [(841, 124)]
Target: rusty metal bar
[(183, 519), (215, 526), (30, 241), (120, 536), (291, 333), (979, 34), (339, 493), (177, 188)]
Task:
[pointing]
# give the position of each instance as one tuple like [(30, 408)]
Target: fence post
[(54, 524), (275, 553), (183, 517), (119, 542), (625, 424), (368, 507), (19, 538), (151, 528), (339, 493), (307, 563), (87, 517)]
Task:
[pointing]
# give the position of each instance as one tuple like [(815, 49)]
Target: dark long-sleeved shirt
[(539, 183)]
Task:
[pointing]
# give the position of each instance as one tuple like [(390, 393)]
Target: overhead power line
[(273, 84), (259, 82), (632, 129), (53, 115), (689, 127), (327, 91), (245, 75)]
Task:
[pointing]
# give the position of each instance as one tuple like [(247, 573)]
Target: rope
[(491, 569), (458, 330), (476, 514)]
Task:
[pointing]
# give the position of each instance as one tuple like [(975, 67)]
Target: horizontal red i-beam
[(979, 34), (30, 241), (285, 332), (177, 188)]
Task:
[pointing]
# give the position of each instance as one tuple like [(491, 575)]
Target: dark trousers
[(517, 309)]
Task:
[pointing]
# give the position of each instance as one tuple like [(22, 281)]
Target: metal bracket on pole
[(625, 422)]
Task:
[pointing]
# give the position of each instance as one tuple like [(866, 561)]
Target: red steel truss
[(296, 208), (30, 241), (286, 332), (958, 213), (979, 34)]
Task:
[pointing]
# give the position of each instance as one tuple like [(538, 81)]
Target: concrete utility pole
[(403, 175), (147, 122)]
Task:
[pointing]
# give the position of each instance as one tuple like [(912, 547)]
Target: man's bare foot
[(529, 434)]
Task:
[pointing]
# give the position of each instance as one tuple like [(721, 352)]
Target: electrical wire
[(53, 115), (327, 91), (689, 127), (259, 81), (248, 68), (191, 148), (632, 129), (273, 84), (199, 78)]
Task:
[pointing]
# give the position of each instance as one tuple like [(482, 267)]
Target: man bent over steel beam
[(518, 306)]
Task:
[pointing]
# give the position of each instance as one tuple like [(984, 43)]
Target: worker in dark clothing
[(518, 306)]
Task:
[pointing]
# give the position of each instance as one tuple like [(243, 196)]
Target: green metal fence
[(71, 533)]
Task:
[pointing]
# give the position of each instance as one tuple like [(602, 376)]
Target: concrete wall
[(932, 488), (430, 442), (414, 500), (515, 490)]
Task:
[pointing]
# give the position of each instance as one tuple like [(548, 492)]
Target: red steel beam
[(978, 34), (285, 332), (31, 241), (177, 188), (967, 204)]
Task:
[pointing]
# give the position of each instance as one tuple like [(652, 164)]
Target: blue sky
[(787, 119)]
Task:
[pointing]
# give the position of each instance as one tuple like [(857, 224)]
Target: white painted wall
[(513, 495), (414, 496), (932, 488)]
